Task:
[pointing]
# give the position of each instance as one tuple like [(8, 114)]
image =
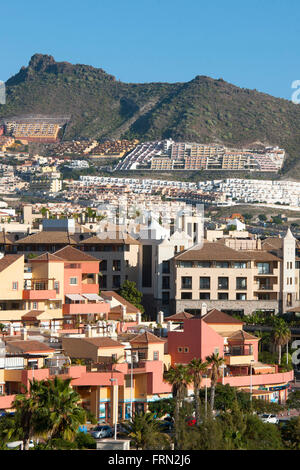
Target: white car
[(269, 419)]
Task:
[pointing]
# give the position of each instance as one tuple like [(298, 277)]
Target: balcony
[(259, 379), (85, 308), (39, 289), (238, 355)]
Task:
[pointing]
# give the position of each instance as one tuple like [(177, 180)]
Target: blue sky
[(252, 44)]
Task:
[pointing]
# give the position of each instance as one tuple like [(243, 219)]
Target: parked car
[(102, 431), (267, 418), (166, 427)]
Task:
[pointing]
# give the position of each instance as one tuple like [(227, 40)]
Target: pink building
[(219, 333)]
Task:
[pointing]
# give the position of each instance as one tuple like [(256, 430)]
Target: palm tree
[(179, 377), (144, 432), (282, 335), (64, 413), (215, 361), (28, 412), (197, 368)]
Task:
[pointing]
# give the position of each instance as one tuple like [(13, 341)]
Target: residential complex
[(170, 155)]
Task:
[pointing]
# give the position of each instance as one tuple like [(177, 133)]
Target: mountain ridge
[(202, 110)]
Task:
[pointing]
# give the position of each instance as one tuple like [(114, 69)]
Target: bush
[(85, 441)]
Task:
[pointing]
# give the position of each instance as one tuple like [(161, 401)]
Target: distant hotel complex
[(170, 155)]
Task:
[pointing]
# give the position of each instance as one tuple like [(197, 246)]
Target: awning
[(32, 315), (75, 297), (92, 296)]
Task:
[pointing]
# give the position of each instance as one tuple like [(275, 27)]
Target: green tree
[(291, 434), (144, 432), (130, 292)]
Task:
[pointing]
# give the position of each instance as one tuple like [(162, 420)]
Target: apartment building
[(216, 332), (50, 291), (238, 276)]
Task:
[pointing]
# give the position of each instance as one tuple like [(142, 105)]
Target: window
[(166, 267), (186, 283), (15, 286), (240, 265), (186, 295), (34, 305), (186, 264), (179, 350), (241, 297), (103, 265), (186, 350), (166, 282), (116, 282), (116, 265), (56, 286), (222, 296), (204, 296), (223, 283), (165, 298), (222, 264), (73, 281), (203, 264), (204, 282), (216, 351), (241, 283), (263, 268), (155, 355)]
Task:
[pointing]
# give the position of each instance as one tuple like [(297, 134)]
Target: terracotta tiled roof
[(116, 237), (32, 314), (179, 316), (69, 253), (216, 316), (272, 243), (7, 260), (213, 251), (109, 294), (241, 334), (47, 238), (29, 346), (103, 342), (218, 251), (47, 257), (146, 338)]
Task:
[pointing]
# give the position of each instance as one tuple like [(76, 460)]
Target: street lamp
[(252, 360), (223, 366), (115, 395), (205, 377)]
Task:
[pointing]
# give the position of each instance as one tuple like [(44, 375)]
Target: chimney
[(124, 310), (24, 333), (88, 331), (160, 318), (138, 318), (11, 330), (203, 309)]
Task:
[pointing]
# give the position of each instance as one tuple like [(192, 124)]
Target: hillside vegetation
[(202, 110)]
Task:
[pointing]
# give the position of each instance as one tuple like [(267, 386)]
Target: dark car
[(166, 427)]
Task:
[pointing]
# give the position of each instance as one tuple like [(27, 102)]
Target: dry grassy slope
[(202, 110)]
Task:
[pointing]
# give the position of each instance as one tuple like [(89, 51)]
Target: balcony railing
[(239, 351)]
